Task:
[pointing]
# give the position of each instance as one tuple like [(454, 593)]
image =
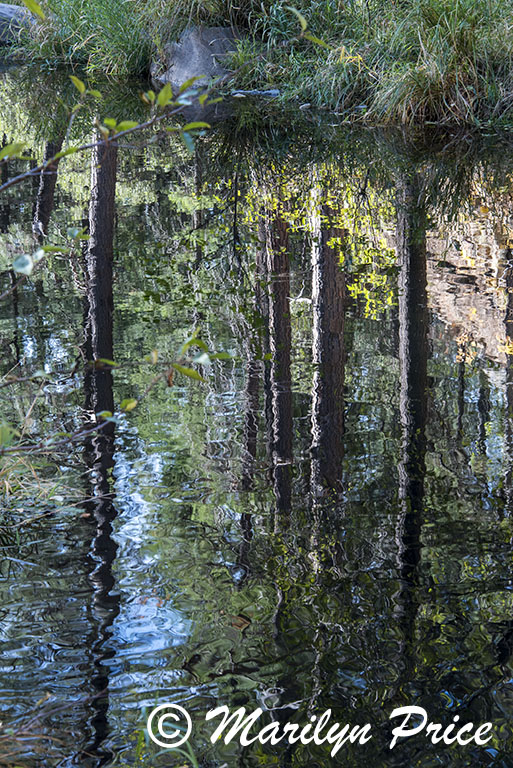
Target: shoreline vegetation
[(444, 62)]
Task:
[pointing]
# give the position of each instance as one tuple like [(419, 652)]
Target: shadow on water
[(325, 521)]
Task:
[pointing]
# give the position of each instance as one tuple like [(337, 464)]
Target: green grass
[(108, 36), (440, 61), (119, 37), (404, 61), (455, 64)]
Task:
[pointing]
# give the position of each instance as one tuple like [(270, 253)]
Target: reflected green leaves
[(220, 599)]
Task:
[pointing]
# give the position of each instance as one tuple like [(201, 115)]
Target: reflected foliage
[(325, 520)]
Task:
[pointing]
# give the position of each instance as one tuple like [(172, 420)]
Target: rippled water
[(325, 521)]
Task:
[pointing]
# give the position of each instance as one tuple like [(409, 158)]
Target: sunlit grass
[(440, 61), (416, 61), (119, 37)]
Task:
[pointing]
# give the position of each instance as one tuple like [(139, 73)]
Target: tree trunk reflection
[(278, 268), (99, 448), (328, 292), (46, 191), (508, 322), (413, 356)]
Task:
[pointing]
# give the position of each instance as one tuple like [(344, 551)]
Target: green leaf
[(35, 8), (12, 150), (107, 416), (6, 434), (128, 404), (23, 264), (106, 361), (190, 372), (185, 86), (79, 85), (165, 95), (193, 341), (188, 141), (125, 125), (202, 359), (315, 40), (195, 126), (110, 122), (95, 93), (64, 152), (300, 16), (221, 356)]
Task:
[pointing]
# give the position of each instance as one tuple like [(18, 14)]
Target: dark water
[(326, 520)]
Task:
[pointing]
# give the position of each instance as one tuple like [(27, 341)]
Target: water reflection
[(413, 402), (326, 521), (278, 271), (99, 446), (508, 323), (5, 220), (46, 190), (328, 354)]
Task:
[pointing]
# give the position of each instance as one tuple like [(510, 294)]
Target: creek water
[(323, 521)]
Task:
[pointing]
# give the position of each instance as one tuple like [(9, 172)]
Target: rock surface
[(12, 19), (200, 52)]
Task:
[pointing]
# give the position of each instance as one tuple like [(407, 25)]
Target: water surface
[(325, 521)]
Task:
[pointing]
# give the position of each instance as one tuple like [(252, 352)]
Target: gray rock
[(200, 52), (12, 19)]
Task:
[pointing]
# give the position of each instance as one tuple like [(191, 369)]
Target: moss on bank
[(408, 61)]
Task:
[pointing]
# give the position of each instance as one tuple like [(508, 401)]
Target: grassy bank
[(408, 61), (120, 37)]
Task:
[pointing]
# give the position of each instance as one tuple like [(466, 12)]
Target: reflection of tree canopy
[(357, 598)]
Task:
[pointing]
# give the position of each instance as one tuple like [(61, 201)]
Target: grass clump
[(407, 61), (120, 37), (455, 64), (441, 61), (108, 36)]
